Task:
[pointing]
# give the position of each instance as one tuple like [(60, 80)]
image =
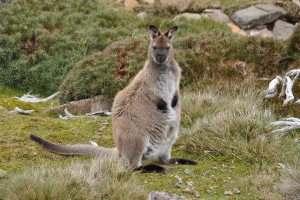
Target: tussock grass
[(234, 125), (289, 183), (101, 178)]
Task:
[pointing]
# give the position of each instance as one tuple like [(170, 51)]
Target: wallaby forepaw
[(151, 169), (182, 161)]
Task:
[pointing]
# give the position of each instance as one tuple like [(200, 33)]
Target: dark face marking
[(175, 100), (162, 106)]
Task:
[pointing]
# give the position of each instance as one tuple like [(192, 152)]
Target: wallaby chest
[(166, 85)]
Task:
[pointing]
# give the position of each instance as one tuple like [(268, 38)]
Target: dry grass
[(289, 183), (101, 178), (234, 125)]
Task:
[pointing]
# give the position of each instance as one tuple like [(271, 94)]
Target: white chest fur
[(166, 86)]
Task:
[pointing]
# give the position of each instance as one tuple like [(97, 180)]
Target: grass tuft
[(101, 178), (229, 125)]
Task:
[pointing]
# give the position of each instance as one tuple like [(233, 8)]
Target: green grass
[(101, 178), (208, 59), (241, 163)]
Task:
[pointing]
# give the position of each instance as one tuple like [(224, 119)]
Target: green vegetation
[(204, 61), (40, 41), (87, 48), (101, 178)]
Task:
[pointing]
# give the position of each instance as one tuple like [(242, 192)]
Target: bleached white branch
[(33, 99), (94, 143), (69, 115), (288, 91), (99, 113), (282, 92), (18, 110), (285, 125), (272, 89), (297, 2)]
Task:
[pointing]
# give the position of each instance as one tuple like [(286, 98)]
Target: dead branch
[(285, 125), (272, 89), (33, 99), (18, 110)]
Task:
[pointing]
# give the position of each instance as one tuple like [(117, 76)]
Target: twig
[(33, 99), (272, 89)]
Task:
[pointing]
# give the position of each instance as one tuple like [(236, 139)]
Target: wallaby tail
[(75, 149)]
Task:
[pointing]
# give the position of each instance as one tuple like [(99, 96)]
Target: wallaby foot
[(182, 161), (151, 169)]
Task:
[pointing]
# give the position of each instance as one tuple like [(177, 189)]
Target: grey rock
[(160, 195), (180, 5), (142, 15), (188, 16), (216, 15), (257, 15), (265, 33), (283, 30)]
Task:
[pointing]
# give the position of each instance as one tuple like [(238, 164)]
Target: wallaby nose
[(160, 58)]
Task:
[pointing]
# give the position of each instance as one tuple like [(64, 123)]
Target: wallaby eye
[(154, 47), (167, 48)]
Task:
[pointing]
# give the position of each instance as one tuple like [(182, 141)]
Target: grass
[(208, 59), (101, 178), (241, 163), (91, 49)]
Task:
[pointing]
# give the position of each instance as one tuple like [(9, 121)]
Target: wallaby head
[(161, 48)]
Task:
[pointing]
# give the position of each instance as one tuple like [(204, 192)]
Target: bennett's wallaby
[(146, 114)]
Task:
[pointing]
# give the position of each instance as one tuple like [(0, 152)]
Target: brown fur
[(146, 114)]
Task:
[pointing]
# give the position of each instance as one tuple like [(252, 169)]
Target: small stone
[(216, 15), (180, 5), (236, 191), (178, 179), (228, 193), (235, 29), (149, 1), (131, 4), (142, 15), (161, 195), (188, 171), (283, 30), (188, 16), (190, 183), (178, 185)]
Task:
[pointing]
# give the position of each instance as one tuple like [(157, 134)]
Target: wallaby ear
[(171, 32), (154, 32)]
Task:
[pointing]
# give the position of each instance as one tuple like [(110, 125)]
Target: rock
[(264, 33), (84, 106), (188, 16), (149, 1), (180, 5), (142, 15), (216, 15), (131, 4), (283, 30), (228, 193), (160, 195), (259, 14), (235, 29)]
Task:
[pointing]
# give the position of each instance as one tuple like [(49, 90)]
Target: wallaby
[(146, 114)]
